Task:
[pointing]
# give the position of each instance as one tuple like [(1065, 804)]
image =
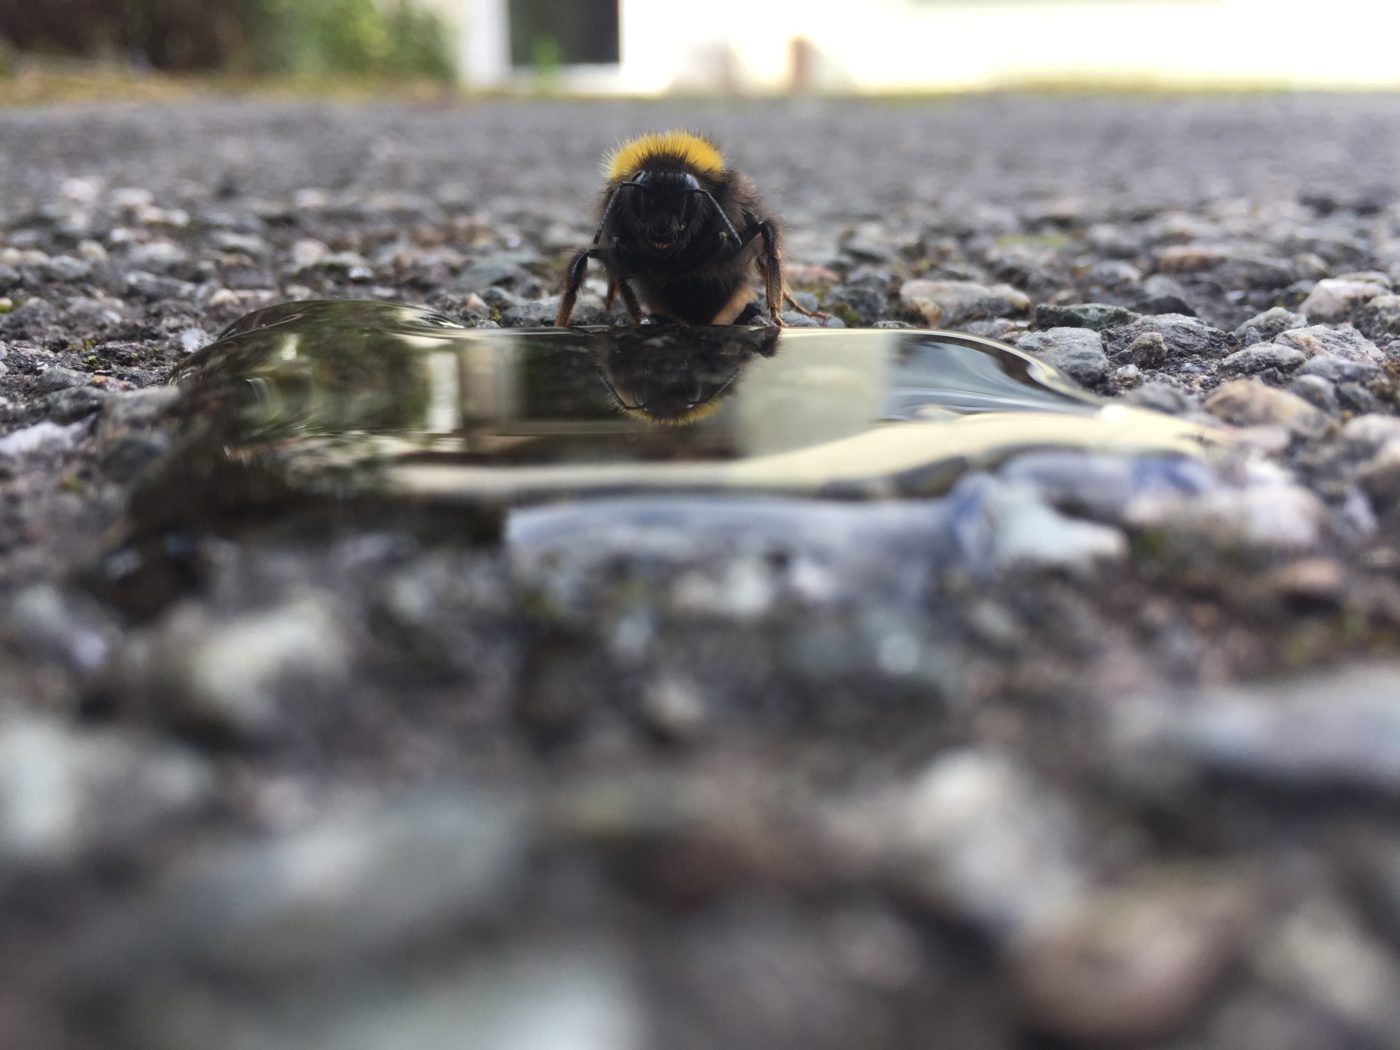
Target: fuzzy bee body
[(681, 235)]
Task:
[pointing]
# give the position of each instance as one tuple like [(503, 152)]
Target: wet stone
[(1078, 352)]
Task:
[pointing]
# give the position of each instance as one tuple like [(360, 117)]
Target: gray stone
[(1182, 337), (45, 435), (1316, 391), (1025, 532), (866, 305), (1133, 963), (1260, 517), (1262, 357), (1344, 342), (1162, 397), (950, 303), (158, 257), (67, 268), (1078, 352), (1268, 325), (1340, 370), (234, 677), (1248, 402), (1335, 300), (66, 794), (1333, 730), (55, 377), (979, 837), (1097, 316), (1379, 319)]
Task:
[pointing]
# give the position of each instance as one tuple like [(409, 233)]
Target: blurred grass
[(34, 83)]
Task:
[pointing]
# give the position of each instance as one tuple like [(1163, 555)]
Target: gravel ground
[(1125, 772)]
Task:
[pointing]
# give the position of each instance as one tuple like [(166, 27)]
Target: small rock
[(1148, 350), (1268, 325), (45, 435), (1316, 391), (1247, 402), (56, 378), (1162, 397), (1379, 319), (1133, 963), (977, 836), (1340, 370), (1097, 316), (1262, 357), (1266, 517), (67, 268), (1182, 336), (1344, 342), (954, 302), (1078, 352), (1318, 732), (1335, 300), (159, 257), (234, 678), (66, 794), (1026, 532)]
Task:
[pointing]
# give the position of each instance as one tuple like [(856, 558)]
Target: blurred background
[(648, 47)]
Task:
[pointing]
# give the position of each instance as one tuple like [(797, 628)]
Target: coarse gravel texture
[(1120, 770)]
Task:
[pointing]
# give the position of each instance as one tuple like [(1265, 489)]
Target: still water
[(365, 400)]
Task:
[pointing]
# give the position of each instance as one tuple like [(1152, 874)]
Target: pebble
[(46, 435), (1334, 299), (1182, 337), (1077, 352), (1261, 357), (1268, 325), (1262, 517), (1378, 319), (1316, 391), (158, 257), (234, 678), (976, 836), (951, 303), (1248, 402), (1133, 963), (1022, 531), (1097, 316), (1344, 342), (57, 785), (1336, 730), (1340, 370)]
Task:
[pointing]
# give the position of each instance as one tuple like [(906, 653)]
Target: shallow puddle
[(402, 406)]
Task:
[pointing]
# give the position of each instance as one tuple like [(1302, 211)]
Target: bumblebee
[(682, 235)]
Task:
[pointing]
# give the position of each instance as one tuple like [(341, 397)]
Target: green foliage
[(348, 37)]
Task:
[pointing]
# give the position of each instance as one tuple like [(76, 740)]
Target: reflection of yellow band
[(678, 419), (700, 154)]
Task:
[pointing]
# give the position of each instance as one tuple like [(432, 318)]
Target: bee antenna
[(607, 210), (729, 229)]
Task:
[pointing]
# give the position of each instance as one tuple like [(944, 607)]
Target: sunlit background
[(647, 47)]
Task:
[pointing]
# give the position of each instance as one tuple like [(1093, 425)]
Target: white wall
[(901, 45)]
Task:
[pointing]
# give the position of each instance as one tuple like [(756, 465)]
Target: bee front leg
[(629, 300), (573, 280), (770, 265)]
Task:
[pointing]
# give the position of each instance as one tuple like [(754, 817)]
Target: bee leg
[(612, 293), (770, 265), (802, 309), (629, 300), (573, 279)]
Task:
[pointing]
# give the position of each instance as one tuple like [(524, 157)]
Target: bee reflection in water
[(676, 376)]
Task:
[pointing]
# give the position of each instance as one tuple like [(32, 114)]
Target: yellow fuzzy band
[(695, 151)]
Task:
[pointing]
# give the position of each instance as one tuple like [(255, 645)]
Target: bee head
[(663, 209)]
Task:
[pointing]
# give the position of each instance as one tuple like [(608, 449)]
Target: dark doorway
[(567, 33)]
